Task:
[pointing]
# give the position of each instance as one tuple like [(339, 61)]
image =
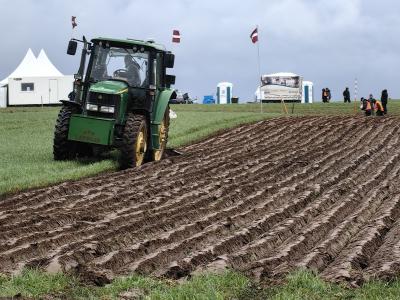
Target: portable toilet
[(224, 92), (209, 99), (308, 92)]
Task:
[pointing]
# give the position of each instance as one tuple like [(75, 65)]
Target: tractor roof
[(129, 42)]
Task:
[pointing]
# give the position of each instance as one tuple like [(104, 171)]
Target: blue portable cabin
[(209, 99)]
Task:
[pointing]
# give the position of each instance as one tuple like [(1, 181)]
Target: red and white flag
[(254, 36), (176, 36), (73, 21)]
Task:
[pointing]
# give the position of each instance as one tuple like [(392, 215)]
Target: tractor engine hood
[(109, 87)]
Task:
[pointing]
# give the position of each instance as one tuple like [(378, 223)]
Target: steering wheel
[(120, 73)]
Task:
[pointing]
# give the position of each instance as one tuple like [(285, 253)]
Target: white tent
[(27, 67), (36, 81), (46, 66)]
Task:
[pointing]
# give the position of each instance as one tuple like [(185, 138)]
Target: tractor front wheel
[(163, 130), (63, 148), (134, 141)]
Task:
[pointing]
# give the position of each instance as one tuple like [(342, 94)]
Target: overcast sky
[(327, 42)]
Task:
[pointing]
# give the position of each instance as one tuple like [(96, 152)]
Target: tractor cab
[(124, 80)]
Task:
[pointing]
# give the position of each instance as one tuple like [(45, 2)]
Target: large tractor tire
[(163, 130), (63, 148), (134, 142)]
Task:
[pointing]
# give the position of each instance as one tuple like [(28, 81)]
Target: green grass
[(34, 283), (227, 285)]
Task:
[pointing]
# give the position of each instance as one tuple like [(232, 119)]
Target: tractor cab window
[(120, 64)]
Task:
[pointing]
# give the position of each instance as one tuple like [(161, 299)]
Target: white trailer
[(39, 90), (280, 86)]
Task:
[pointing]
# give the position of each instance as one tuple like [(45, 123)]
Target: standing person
[(346, 95), (384, 100), (328, 91), (324, 95)]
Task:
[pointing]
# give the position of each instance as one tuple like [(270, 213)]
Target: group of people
[(371, 106), (326, 95)]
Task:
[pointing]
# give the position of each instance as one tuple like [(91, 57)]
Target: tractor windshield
[(120, 64)]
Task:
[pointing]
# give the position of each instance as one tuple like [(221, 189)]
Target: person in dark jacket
[(384, 100), (133, 73), (328, 91), (324, 95), (346, 95)]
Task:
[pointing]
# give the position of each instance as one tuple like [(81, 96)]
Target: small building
[(36, 81), (224, 92), (308, 92)]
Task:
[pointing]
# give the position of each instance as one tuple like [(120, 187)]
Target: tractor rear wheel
[(63, 148), (134, 141), (162, 136)]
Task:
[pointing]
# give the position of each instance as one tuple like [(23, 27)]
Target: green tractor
[(120, 100)]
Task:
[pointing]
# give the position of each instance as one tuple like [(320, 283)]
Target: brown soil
[(314, 192)]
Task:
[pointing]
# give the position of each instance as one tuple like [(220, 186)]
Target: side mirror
[(72, 45), (169, 60), (169, 80)]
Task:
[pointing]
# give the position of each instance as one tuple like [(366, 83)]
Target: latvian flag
[(176, 36), (73, 21), (254, 36)]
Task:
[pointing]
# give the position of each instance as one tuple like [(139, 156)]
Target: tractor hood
[(109, 87)]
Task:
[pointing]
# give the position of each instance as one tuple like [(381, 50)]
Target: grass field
[(26, 161), (227, 285)]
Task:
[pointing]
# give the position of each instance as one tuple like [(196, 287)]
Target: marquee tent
[(35, 81)]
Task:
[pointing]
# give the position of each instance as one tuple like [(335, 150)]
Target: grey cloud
[(329, 42)]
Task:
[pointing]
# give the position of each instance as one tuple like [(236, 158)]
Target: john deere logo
[(88, 135)]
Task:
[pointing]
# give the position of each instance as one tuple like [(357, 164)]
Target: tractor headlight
[(92, 107), (107, 109)]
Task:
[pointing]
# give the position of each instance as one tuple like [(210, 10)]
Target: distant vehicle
[(278, 86), (181, 99)]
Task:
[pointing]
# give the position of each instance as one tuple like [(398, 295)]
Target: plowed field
[(267, 198)]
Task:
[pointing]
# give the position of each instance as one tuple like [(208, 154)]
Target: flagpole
[(355, 94), (259, 67)]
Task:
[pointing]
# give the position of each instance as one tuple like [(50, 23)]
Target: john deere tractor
[(120, 100)]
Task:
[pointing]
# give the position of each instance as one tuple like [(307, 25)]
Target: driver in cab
[(132, 69)]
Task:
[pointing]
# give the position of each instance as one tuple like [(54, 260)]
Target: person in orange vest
[(368, 107), (372, 106), (379, 110)]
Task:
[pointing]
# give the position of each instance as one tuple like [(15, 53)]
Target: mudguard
[(160, 106)]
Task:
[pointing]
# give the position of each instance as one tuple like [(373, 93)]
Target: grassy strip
[(228, 285)]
